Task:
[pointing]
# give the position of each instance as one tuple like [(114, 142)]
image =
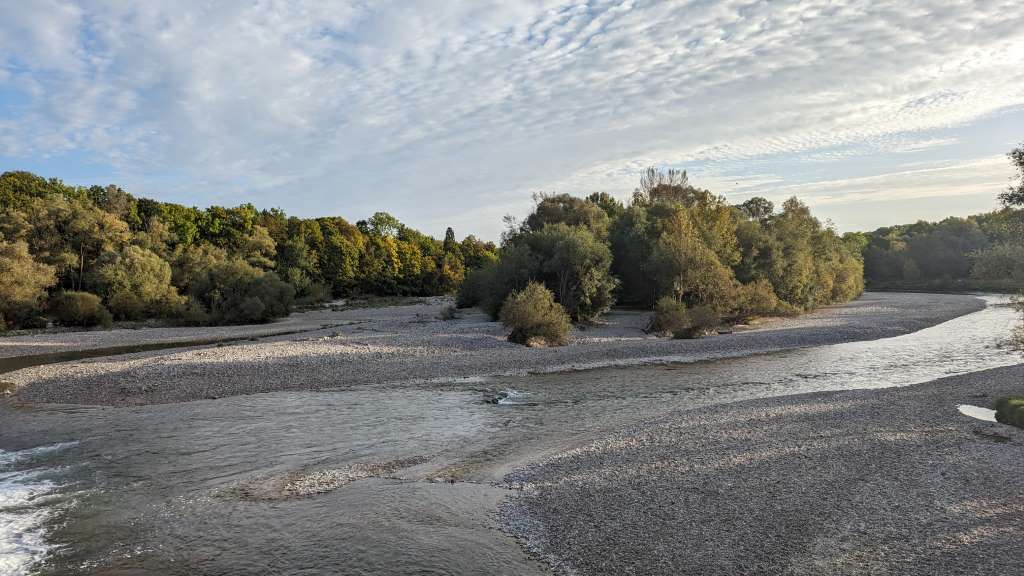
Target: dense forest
[(673, 247), (89, 255), (981, 252)]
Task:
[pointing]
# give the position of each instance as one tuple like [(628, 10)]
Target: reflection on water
[(179, 489)]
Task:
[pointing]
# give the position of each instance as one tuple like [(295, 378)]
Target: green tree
[(570, 210), (758, 208), (23, 283), (686, 269), (136, 284), (1014, 195), (450, 245), (235, 292), (577, 267)]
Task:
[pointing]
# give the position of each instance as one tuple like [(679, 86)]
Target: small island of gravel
[(331, 348)]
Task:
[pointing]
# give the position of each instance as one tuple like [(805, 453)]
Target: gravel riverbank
[(892, 481), (410, 343)]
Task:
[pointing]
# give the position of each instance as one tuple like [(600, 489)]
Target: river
[(406, 479)]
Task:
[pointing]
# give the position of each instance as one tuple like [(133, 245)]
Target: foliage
[(79, 309), (703, 319), (101, 238), (534, 317), (517, 267), (673, 318), (23, 283), (235, 292), (136, 283), (677, 241), (577, 266), (670, 317), (1003, 261), (1014, 195), (1010, 411), (978, 251), (571, 211), (756, 299), (474, 287)]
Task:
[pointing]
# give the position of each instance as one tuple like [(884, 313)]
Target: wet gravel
[(411, 344), (892, 481)]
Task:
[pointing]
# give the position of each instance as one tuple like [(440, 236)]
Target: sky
[(453, 113)]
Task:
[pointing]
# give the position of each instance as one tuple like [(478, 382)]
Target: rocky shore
[(893, 481), (402, 344)]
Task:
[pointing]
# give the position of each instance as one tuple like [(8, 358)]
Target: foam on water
[(24, 511)]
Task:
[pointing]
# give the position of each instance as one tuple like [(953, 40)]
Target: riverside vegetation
[(983, 252), (84, 256), (688, 254)]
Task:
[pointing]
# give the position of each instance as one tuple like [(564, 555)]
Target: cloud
[(986, 176), (426, 108)]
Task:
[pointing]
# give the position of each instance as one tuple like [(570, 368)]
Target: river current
[(382, 480)]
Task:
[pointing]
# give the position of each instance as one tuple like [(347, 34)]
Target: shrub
[(23, 283), (192, 313), (670, 317), (516, 268), (36, 322), (235, 292), (535, 318), (756, 299), (473, 287), (1010, 411), (314, 293), (137, 284), (79, 309), (703, 319)]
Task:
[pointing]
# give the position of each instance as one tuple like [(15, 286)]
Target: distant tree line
[(89, 255), (672, 241), (981, 252)]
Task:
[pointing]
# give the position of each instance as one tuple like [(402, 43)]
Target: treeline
[(675, 245), (88, 255), (981, 252)]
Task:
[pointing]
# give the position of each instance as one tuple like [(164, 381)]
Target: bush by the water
[(673, 318), (23, 285), (137, 284), (534, 317), (79, 309), (670, 317), (1010, 411), (703, 320)]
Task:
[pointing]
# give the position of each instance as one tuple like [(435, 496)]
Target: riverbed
[(387, 479)]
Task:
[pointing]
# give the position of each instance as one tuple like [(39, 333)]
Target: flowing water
[(398, 480)]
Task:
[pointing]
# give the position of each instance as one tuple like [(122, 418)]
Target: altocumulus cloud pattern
[(414, 106)]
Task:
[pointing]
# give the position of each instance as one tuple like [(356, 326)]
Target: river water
[(388, 480)]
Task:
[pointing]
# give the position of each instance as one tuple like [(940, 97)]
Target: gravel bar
[(404, 344), (892, 481)]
